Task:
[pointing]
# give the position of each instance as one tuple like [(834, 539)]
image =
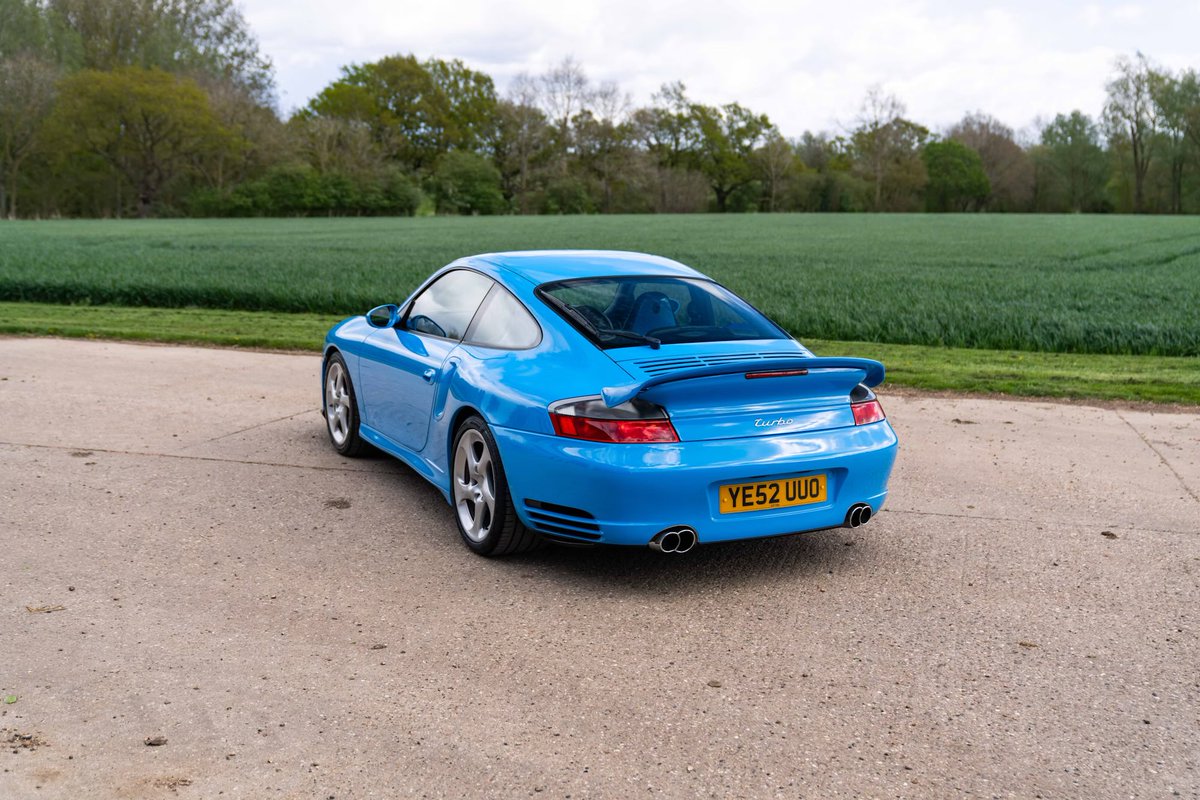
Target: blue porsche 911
[(593, 397)]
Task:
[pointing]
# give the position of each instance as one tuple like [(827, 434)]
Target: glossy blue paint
[(635, 491), (412, 389), (859, 370), (399, 375)]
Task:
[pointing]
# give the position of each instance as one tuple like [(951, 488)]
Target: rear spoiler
[(872, 374)]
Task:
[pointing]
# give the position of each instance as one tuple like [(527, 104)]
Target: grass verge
[(1155, 379)]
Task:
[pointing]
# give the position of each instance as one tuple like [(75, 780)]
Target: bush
[(567, 195), (299, 190), (467, 183)]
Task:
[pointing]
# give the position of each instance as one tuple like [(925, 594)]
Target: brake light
[(867, 412), (775, 373), (634, 422)]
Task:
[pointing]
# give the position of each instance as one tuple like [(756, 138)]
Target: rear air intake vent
[(562, 520), (661, 366)]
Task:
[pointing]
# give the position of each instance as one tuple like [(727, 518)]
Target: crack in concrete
[(1161, 457), (399, 467), (252, 427), (1076, 524), (186, 457)]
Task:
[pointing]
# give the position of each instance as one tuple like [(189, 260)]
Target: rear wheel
[(483, 507), (341, 409)]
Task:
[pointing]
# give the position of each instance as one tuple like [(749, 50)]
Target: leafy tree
[(1132, 118), (1008, 167), (829, 181), (1174, 100), (471, 102), (1071, 165), (145, 124), (333, 144), (467, 183), (257, 139), (1189, 83), (27, 89), (726, 138), (23, 28), (196, 37), (416, 111), (567, 194), (666, 131), (520, 149), (666, 128), (957, 181), (604, 148), (605, 143), (775, 163), (886, 150)]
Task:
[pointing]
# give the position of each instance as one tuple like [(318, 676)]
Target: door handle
[(429, 375)]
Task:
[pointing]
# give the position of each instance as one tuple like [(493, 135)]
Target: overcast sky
[(805, 64)]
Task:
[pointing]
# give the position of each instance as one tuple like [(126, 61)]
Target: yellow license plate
[(736, 497)]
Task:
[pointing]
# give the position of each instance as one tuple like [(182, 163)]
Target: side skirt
[(420, 465)]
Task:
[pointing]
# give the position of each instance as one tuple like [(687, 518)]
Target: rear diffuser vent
[(562, 520), (661, 366)]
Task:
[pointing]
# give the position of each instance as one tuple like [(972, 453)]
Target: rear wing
[(872, 374)]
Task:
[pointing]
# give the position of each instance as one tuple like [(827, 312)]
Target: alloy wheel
[(474, 485)]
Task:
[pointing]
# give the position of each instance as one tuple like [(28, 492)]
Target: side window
[(446, 307), (503, 322)]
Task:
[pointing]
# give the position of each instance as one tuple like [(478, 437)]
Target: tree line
[(114, 108)]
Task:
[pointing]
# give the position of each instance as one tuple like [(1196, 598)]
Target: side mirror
[(383, 316)]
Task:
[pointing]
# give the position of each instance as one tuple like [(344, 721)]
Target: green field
[(1161, 379), (1100, 307), (1081, 284)]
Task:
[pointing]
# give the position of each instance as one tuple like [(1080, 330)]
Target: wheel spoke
[(476, 526), (474, 485), (483, 466), (337, 403)]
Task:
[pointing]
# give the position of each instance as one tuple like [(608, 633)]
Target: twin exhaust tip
[(859, 514), (682, 538), (678, 539)]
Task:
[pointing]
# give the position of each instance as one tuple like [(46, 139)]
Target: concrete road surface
[(184, 557)]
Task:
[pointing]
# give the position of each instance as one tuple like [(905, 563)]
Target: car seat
[(652, 310)]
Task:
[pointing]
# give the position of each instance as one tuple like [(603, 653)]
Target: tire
[(483, 507), (340, 407)]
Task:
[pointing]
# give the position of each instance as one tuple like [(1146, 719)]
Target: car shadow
[(783, 559), (804, 557)]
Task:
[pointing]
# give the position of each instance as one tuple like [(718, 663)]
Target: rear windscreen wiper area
[(600, 333)]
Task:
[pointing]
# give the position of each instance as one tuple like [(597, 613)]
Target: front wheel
[(483, 506), (341, 409)]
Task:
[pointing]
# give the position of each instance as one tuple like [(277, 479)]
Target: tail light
[(867, 411), (634, 422)]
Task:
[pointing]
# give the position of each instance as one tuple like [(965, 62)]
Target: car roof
[(542, 266)]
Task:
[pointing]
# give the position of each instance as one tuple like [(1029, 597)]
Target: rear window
[(629, 311)]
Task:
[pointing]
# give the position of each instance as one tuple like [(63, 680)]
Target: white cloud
[(1127, 13), (806, 64)]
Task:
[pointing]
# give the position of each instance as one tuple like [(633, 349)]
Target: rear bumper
[(625, 494)]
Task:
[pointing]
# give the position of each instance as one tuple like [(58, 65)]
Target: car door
[(403, 366)]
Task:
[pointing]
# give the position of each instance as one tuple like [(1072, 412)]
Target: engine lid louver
[(662, 366)]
